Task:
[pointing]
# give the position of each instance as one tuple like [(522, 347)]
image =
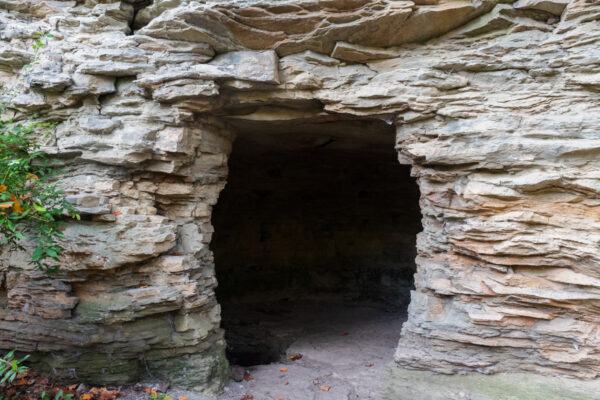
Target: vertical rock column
[(195, 355), (507, 271)]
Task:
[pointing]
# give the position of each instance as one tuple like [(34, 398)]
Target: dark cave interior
[(320, 213)]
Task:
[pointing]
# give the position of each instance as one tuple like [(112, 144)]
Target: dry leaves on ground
[(30, 385), (103, 393)]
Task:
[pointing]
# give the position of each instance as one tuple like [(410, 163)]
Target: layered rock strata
[(496, 109)]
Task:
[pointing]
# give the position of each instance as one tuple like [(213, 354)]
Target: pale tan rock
[(555, 7), (355, 53), (496, 109)]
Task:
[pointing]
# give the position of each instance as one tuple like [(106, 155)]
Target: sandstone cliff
[(496, 109)]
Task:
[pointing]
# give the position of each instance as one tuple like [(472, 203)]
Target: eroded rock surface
[(496, 109)]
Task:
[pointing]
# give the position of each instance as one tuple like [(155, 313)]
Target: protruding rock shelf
[(495, 108)]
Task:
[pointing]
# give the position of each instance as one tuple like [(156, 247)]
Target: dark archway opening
[(316, 227)]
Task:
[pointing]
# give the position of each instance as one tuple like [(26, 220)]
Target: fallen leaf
[(369, 365), (106, 394), (283, 369), (20, 382), (287, 383), (148, 390), (247, 397), (143, 286), (183, 398), (325, 388), (345, 333), (87, 396), (117, 213), (295, 357), (248, 377)]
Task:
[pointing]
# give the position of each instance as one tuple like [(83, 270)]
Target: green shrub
[(10, 367), (31, 207)]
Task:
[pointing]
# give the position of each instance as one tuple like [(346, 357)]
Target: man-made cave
[(314, 237)]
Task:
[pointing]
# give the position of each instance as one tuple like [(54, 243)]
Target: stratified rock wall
[(496, 106)]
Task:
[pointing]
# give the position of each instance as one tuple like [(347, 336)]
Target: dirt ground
[(344, 353)]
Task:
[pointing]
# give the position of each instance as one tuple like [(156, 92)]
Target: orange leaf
[(3, 188), (87, 396), (117, 213), (16, 205), (295, 357), (283, 369), (148, 390), (248, 377), (183, 398), (5, 206), (324, 388)]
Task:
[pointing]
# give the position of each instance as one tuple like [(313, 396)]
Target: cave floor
[(344, 348), (345, 351)]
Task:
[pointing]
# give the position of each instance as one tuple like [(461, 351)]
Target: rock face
[(496, 109)]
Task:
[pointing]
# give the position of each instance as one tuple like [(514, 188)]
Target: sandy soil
[(345, 350)]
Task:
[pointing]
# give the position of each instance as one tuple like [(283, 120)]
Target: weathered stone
[(113, 245), (111, 68), (49, 82), (497, 114), (13, 57), (355, 53), (185, 89), (128, 305), (258, 66), (555, 7), (95, 85), (99, 125), (90, 204)]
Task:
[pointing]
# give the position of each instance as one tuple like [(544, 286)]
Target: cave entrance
[(314, 235)]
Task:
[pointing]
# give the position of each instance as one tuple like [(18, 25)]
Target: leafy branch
[(31, 206), (10, 367)]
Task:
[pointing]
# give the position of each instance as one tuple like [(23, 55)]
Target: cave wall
[(496, 110)]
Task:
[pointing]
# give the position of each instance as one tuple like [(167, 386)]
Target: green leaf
[(38, 253)]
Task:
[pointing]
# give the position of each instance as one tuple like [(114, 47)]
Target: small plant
[(156, 395), (31, 207), (10, 367), (39, 42), (58, 396)]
